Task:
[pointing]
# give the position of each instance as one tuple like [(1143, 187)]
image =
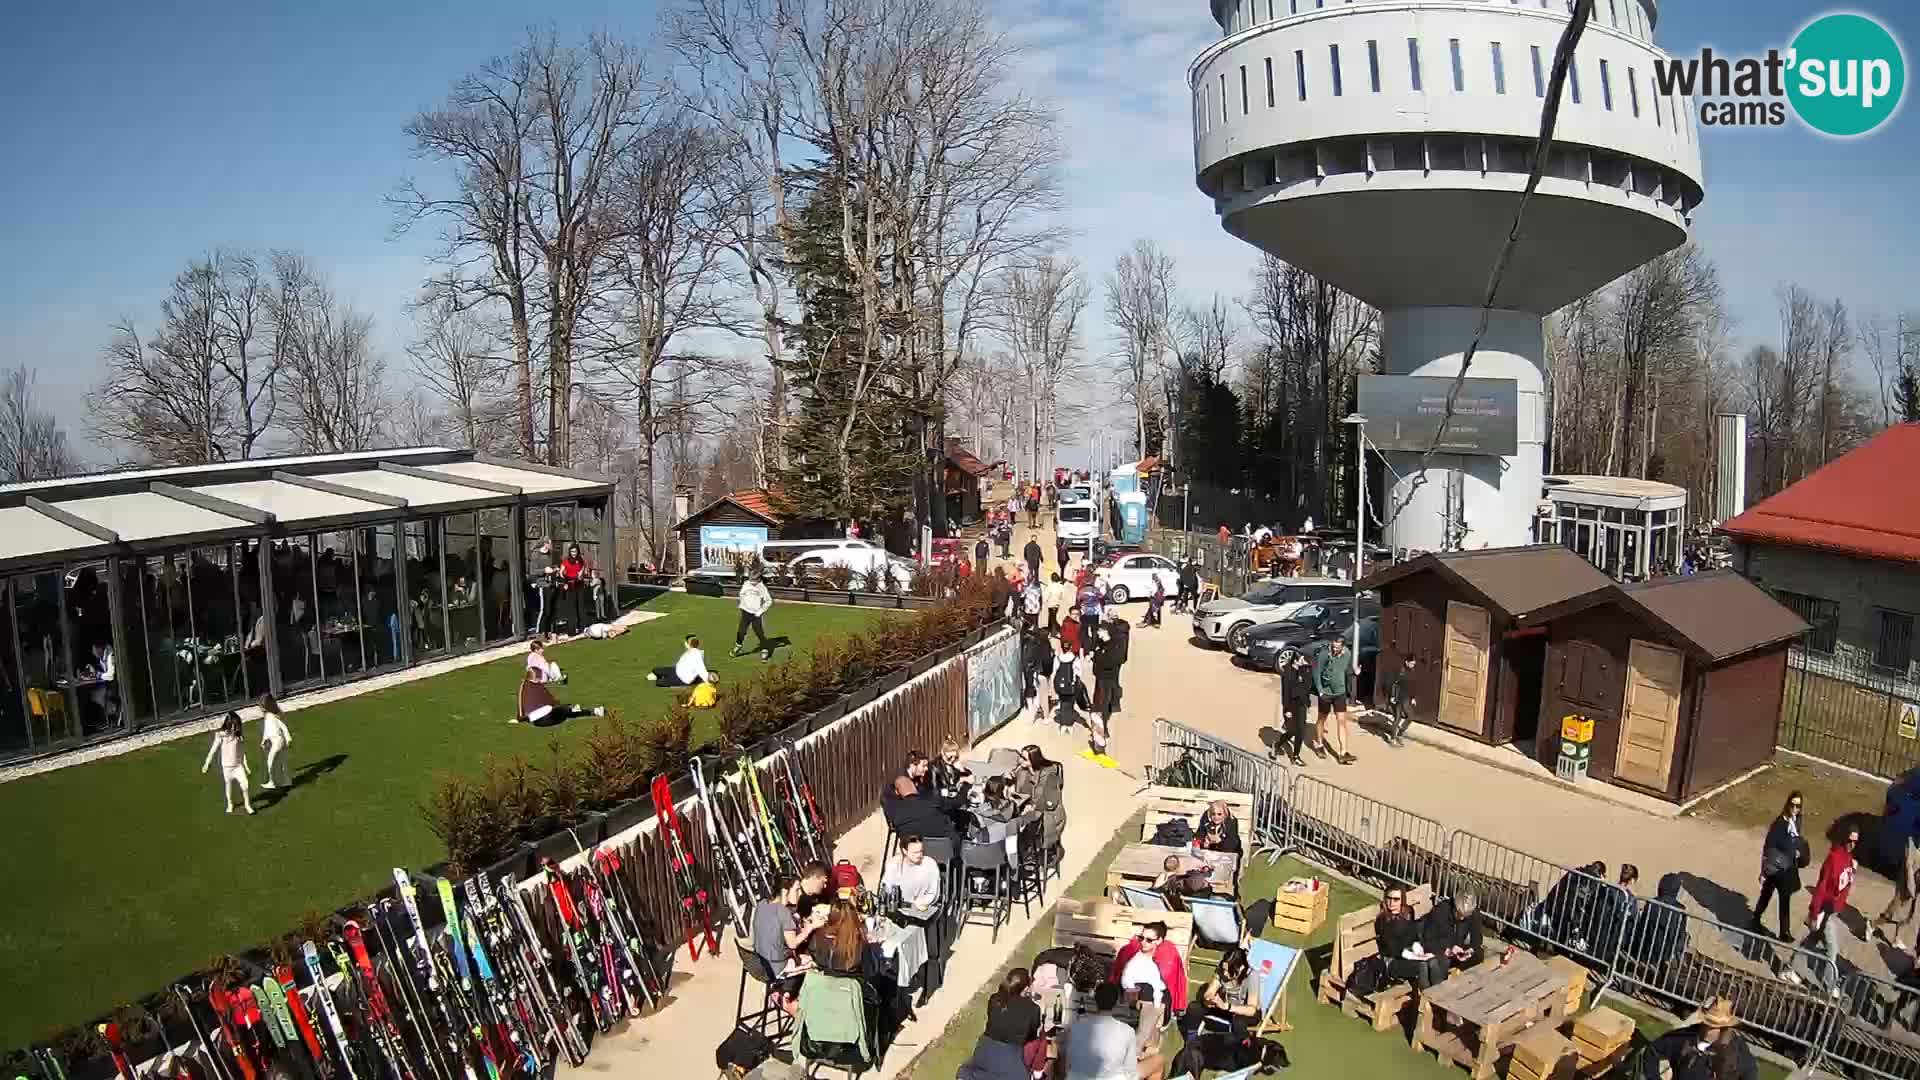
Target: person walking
[(1296, 697), (981, 551), (1110, 652), (1823, 918), (232, 752), (1332, 682), (1189, 594), (1033, 554), (1400, 702), (274, 739), (1054, 597), (1061, 554), (1782, 856), (1900, 912), (755, 601)]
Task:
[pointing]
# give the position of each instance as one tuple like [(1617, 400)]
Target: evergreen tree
[(874, 478), (1906, 393)]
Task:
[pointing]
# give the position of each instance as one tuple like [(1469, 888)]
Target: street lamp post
[(1359, 425)]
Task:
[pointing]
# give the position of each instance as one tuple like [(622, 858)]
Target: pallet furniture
[(1139, 864), (1104, 926), (1601, 1037), (1489, 1006), (1541, 1053), (1353, 942), (1165, 803), (1300, 905), (1577, 976)]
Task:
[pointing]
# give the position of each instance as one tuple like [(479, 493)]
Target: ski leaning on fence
[(448, 980)]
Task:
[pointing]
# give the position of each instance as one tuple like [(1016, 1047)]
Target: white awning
[(143, 515), (25, 532), (290, 503), (419, 492), (525, 479)]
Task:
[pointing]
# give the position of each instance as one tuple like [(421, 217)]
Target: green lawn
[(124, 873), (1324, 1043)]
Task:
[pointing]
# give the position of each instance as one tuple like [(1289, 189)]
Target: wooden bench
[(1166, 803), (1353, 942), (1105, 927)]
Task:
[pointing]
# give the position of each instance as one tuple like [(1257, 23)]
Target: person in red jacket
[(1152, 941), (1823, 922)]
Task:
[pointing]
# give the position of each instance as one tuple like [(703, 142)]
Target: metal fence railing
[(1652, 949), (1847, 705), (1183, 757), (1878, 1030)]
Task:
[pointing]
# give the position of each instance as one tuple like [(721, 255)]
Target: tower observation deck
[(1382, 145)]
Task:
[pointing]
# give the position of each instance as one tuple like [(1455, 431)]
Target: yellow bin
[(1576, 729)]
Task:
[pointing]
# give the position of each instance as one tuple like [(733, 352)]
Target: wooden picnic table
[(1139, 864), (1489, 1006)]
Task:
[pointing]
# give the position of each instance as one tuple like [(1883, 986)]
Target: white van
[(1076, 525), (796, 561)]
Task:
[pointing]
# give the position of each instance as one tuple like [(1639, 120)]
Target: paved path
[(1168, 676)]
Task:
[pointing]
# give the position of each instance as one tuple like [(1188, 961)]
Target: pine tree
[(823, 367), (1906, 393)]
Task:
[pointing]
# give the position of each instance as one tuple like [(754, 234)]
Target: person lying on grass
[(540, 708), (689, 670)]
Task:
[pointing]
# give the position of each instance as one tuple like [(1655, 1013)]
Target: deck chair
[(1275, 963), (1217, 923)]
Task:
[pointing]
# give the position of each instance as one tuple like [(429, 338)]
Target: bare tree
[(459, 363), (33, 446), (164, 394), (1039, 317), (332, 382), (415, 420), (1655, 309), (1140, 307)]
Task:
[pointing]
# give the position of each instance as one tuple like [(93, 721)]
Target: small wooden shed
[(739, 521), (1682, 677), (1469, 619)]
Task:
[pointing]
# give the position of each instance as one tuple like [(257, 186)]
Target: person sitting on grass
[(539, 668), (689, 670), (540, 708)]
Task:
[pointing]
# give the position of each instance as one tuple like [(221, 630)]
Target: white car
[(1131, 577), (1227, 621), (867, 564)]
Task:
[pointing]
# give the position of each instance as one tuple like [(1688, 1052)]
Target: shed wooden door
[(1650, 718), (1463, 681)]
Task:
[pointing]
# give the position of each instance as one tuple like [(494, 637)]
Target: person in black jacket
[(910, 804), (1033, 554), (1109, 652), (982, 551), (1217, 829), (1395, 931), (1400, 702), (1189, 591), (1658, 934), (1296, 697), (1451, 932), (1711, 1048), (1070, 700), (1781, 857)]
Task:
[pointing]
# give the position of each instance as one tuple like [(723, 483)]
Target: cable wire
[(1580, 12)]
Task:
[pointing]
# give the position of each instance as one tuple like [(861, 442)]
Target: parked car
[(1228, 620), (1130, 577), (1274, 645)]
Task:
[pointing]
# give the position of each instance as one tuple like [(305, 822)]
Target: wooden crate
[(1302, 911), (1540, 1053), (1595, 1068), (1164, 803), (1599, 1032), (1577, 980)]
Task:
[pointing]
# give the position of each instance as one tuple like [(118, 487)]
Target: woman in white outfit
[(232, 752), (274, 737), (543, 669)]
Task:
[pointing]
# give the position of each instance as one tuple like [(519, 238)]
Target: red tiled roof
[(1850, 506), (767, 503), (964, 459)]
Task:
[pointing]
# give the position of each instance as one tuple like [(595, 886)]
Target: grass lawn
[(1832, 795), (125, 874), (1324, 1044)]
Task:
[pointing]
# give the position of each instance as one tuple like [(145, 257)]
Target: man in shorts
[(1332, 683)]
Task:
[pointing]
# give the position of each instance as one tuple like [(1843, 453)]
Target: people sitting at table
[(1217, 829), (916, 876), (540, 708), (539, 666), (1180, 878), (911, 805), (994, 809), (1100, 1046), (781, 935), (1232, 996), (1451, 932), (948, 773), (1038, 779), (1396, 934), (839, 946), (1151, 942), (104, 693), (689, 670)]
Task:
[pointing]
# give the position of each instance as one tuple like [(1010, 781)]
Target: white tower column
[(1497, 494)]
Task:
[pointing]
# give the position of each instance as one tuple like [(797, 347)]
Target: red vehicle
[(948, 550)]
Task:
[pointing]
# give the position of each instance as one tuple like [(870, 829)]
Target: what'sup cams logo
[(1843, 76)]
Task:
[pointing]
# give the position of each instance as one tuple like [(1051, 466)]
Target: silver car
[(1227, 621)]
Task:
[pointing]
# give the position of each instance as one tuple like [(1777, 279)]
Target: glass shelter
[(137, 599), (1631, 529)]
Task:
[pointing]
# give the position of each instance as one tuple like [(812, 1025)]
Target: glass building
[(138, 599), (1631, 529)]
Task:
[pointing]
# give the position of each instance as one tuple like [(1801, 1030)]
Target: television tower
[(1382, 145)]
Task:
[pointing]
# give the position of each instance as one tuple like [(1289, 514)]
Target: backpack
[(1174, 832), (704, 696), (1369, 976)]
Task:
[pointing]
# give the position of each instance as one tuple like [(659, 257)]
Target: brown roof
[(1518, 580), (1722, 613), (964, 459)]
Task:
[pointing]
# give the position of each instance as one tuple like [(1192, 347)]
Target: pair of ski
[(696, 904), (755, 839), (603, 939)]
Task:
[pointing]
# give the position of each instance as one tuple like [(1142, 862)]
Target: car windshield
[(1076, 513), (1270, 593)]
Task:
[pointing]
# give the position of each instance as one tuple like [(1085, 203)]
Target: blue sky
[(142, 137)]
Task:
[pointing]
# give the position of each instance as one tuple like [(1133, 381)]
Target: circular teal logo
[(1846, 75)]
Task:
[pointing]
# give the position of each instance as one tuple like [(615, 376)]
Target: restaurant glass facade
[(95, 649)]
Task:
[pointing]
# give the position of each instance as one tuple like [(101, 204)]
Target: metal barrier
[(1686, 960), (1350, 830), (1863, 1039), (1183, 757), (1534, 900)]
